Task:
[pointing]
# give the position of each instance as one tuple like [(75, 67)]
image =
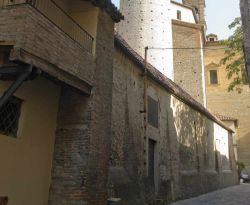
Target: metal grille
[(9, 117), (152, 112)]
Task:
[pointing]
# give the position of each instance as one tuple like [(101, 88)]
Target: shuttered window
[(152, 112)]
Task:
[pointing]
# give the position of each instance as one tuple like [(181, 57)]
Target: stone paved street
[(238, 195)]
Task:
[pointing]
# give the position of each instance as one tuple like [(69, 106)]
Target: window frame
[(153, 120), (179, 16), (18, 102), (211, 82)]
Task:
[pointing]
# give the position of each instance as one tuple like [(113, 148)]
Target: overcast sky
[(219, 14)]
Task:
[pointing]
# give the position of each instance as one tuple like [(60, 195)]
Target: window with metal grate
[(9, 116), (152, 112)]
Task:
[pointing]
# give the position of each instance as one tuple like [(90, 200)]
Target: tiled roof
[(165, 82), (225, 118), (110, 8)]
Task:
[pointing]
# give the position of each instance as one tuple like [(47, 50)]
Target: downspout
[(12, 89), (144, 111)]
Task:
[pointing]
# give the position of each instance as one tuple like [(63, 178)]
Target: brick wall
[(188, 64), (180, 127), (30, 31), (80, 168)]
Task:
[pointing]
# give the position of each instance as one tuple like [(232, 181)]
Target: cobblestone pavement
[(237, 195)]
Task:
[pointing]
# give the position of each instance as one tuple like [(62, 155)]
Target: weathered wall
[(26, 161), (231, 104), (188, 64), (80, 167), (29, 31), (185, 143)]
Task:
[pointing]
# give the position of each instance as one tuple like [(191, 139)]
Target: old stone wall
[(185, 160), (188, 63), (81, 158)]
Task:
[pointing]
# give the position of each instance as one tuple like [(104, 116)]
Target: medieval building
[(237, 107), (162, 26), (84, 119)]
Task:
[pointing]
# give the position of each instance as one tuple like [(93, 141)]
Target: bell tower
[(147, 23), (200, 6)]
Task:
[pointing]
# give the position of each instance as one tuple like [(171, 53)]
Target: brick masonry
[(80, 168), (188, 64), (81, 152), (182, 130), (28, 30)]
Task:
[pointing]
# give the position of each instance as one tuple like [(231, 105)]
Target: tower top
[(199, 6)]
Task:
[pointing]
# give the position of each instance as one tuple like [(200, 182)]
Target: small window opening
[(211, 39), (213, 77), (178, 14), (151, 160), (152, 112), (9, 116)]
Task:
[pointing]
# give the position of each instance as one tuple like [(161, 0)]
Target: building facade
[(161, 26), (81, 124), (56, 93), (232, 104), (176, 150)]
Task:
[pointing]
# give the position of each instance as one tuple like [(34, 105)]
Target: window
[(152, 112), (151, 160), (211, 39), (9, 117), (178, 15), (213, 77)]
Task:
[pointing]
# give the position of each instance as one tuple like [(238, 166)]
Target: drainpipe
[(16, 84), (144, 111)]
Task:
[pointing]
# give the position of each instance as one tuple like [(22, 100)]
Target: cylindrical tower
[(148, 24)]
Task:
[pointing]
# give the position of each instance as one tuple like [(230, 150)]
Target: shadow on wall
[(244, 151), (185, 145)]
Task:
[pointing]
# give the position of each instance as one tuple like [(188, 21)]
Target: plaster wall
[(26, 161), (232, 104), (186, 13)]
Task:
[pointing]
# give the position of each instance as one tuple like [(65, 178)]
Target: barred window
[(9, 116), (152, 112)]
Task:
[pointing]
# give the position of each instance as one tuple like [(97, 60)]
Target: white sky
[(219, 14)]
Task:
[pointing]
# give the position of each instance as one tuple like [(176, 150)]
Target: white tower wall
[(148, 23)]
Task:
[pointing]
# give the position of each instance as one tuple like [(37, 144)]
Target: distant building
[(224, 103)]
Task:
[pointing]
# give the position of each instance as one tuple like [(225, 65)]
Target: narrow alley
[(237, 195)]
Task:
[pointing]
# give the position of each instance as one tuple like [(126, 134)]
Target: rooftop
[(165, 82)]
